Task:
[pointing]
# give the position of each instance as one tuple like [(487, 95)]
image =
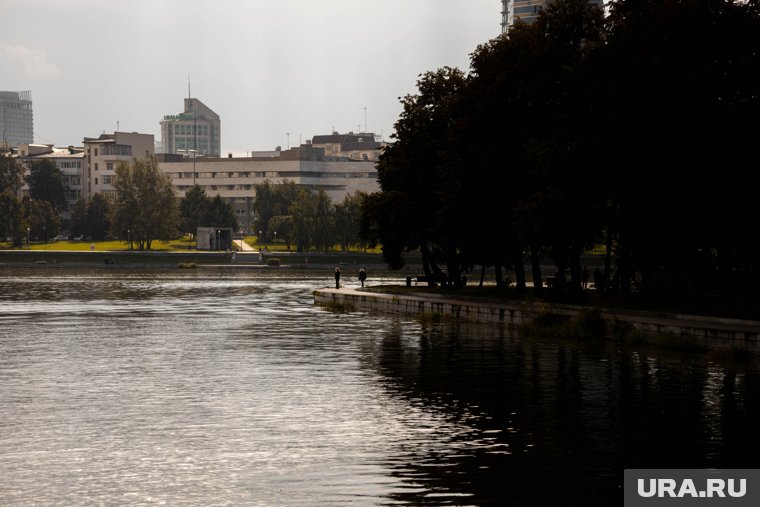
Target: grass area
[(182, 244), (281, 246)]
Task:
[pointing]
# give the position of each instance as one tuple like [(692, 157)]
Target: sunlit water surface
[(233, 388)]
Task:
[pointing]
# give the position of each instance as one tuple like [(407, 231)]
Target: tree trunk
[(535, 263), (499, 275), (519, 273), (482, 275)]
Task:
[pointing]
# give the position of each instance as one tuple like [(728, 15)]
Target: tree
[(98, 210), (11, 175), (347, 220), (219, 213), (11, 218), (11, 213), (45, 182), (41, 218), (193, 208), (282, 227), (145, 207), (273, 200), (406, 214), (78, 224)]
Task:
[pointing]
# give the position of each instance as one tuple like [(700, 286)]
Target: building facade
[(71, 161), (234, 179), (195, 130), (16, 119), (526, 11), (105, 153), (359, 146)]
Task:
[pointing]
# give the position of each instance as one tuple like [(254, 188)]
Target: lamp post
[(218, 239), (275, 239), (259, 240), (27, 238), (129, 238)]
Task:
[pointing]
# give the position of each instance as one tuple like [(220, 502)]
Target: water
[(221, 388)]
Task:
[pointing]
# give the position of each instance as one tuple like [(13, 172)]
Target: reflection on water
[(205, 388)]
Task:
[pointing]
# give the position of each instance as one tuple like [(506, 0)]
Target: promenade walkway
[(702, 331)]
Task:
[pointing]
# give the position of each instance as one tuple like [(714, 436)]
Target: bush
[(273, 261)]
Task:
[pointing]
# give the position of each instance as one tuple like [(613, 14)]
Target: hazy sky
[(269, 68)]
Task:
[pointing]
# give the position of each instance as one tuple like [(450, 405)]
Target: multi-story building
[(71, 161), (360, 146), (234, 179), (104, 154), (16, 119), (195, 130), (526, 10)]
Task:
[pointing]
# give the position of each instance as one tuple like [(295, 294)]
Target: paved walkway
[(245, 247)]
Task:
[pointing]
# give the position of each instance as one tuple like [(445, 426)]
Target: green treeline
[(304, 218), (632, 132)]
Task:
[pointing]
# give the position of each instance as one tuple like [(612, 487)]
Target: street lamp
[(275, 239), (218, 239), (129, 238), (27, 237)]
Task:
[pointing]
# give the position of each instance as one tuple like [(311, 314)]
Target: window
[(96, 181), (107, 179), (96, 166), (96, 152), (109, 166)]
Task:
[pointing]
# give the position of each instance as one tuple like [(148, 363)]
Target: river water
[(200, 388)]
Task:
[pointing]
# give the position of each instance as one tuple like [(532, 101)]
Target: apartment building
[(71, 161), (234, 178), (104, 154)]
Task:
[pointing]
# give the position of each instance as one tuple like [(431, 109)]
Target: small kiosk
[(214, 238)]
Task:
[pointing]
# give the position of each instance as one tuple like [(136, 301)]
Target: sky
[(278, 72)]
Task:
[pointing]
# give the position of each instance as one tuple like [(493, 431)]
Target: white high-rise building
[(16, 119), (526, 10), (195, 130)]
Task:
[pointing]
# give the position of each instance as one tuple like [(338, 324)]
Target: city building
[(16, 119), (234, 179), (195, 130), (104, 154), (71, 161), (360, 146), (526, 11)]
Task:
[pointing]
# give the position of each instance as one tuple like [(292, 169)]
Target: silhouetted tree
[(45, 182)]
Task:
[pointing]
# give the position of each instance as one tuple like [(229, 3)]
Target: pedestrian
[(337, 277), (362, 276)]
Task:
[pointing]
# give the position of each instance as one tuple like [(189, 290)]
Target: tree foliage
[(631, 130), (45, 182), (144, 208)]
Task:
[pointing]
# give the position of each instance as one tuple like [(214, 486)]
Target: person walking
[(337, 277), (362, 276)]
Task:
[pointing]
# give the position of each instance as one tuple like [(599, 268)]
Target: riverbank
[(185, 259), (664, 328)]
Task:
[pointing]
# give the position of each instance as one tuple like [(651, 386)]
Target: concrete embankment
[(689, 330)]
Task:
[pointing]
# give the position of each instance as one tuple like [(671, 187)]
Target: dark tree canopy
[(45, 182), (633, 131)]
